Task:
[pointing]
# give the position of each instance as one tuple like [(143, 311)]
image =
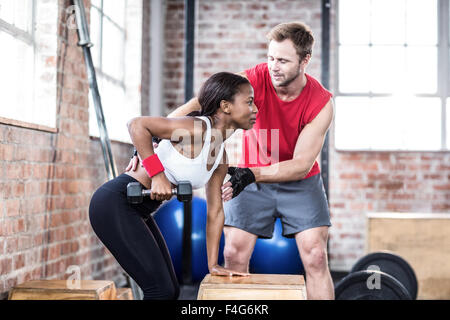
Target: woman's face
[(243, 109)]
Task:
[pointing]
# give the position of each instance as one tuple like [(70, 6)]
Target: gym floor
[(189, 292)]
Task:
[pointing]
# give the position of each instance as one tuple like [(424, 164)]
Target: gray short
[(300, 205)]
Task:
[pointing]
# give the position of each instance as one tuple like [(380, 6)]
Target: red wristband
[(152, 165)]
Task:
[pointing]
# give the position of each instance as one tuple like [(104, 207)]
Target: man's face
[(283, 62)]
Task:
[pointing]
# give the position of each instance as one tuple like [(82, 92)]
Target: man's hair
[(299, 33)]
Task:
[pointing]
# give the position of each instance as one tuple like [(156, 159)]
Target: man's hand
[(240, 178), (217, 270), (132, 166)]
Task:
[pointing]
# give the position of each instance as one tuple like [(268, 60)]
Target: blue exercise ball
[(278, 255), (170, 220)]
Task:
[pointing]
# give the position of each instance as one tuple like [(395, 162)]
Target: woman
[(192, 149)]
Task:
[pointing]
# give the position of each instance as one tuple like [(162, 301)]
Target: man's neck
[(293, 90)]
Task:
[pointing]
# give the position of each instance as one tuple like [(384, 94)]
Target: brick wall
[(47, 180)]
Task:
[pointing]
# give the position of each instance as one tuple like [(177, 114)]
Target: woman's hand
[(217, 270), (161, 187)]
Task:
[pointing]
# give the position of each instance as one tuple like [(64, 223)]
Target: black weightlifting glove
[(240, 178)]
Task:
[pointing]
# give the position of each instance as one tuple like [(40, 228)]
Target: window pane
[(16, 79), (115, 111), (407, 123), (354, 21), (399, 123), (112, 51), (97, 3), (421, 125), (115, 9), (17, 13), (354, 65), (388, 22), (421, 22), (387, 68), (95, 36), (421, 69), (352, 123)]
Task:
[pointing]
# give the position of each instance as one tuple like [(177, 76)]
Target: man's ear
[(225, 107), (305, 60)]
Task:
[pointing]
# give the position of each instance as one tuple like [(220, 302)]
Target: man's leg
[(239, 245), (312, 245)]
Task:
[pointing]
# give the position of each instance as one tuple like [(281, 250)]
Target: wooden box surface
[(253, 287), (58, 290), (422, 239)]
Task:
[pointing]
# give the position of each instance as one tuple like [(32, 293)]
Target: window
[(115, 31), (392, 75), (28, 68)]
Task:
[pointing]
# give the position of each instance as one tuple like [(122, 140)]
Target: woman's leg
[(132, 242)]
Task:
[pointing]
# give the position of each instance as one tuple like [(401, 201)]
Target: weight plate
[(393, 265), (370, 285)]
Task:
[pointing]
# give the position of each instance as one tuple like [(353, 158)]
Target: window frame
[(443, 77), (99, 69)]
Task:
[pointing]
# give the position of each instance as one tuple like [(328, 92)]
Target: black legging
[(131, 235)]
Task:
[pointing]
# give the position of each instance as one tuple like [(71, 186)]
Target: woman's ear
[(225, 107)]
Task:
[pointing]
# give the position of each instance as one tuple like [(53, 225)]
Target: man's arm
[(307, 149), (192, 105), (188, 107)]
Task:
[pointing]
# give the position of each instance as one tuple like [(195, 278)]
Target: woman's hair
[(299, 33), (220, 86)]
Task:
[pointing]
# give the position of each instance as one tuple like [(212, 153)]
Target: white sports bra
[(179, 167)]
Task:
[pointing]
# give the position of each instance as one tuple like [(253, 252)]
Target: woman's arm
[(141, 130), (215, 220)]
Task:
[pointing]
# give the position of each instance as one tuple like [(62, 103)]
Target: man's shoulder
[(258, 69), (315, 84), (313, 80)]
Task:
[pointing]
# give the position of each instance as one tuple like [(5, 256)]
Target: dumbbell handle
[(147, 192)]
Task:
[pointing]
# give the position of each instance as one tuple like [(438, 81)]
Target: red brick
[(13, 208), (433, 176), (394, 185), (6, 152), (19, 261), (350, 176), (12, 244), (5, 265), (403, 196), (14, 171), (443, 187)]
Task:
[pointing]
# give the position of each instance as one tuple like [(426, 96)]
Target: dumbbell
[(136, 194), (395, 275)]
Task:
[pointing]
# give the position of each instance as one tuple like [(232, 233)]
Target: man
[(294, 108)]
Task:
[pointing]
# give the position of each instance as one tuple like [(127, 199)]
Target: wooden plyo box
[(422, 239), (58, 290), (253, 287)]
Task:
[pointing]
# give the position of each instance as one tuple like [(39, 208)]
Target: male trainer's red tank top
[(278, 123)]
